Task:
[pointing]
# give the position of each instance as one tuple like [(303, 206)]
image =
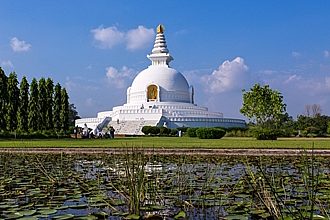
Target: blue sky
[(96, 48)]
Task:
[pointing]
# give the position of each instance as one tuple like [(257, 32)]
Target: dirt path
[(163, 151)]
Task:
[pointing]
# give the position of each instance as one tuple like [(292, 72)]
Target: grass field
[(173, 142)]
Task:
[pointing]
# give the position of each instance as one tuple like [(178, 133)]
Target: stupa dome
[(169, 84)]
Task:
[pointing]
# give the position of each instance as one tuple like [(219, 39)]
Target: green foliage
[(328, 129), (264, 133), (174, 132), (210, 133), (64, 113), (42, 101), (73, 114), (57, 107), (146, 129), (313, 126), (182, 129), (191, 132), (12, 103), (29, 108), (34, 116), (164, 131), (237, 132), (3, 98), (262, 104), (154, 130), (22, 115), (49, 101)]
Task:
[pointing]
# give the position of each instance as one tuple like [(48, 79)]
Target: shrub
[(164, 131), (146, 130), (174, 132), (182, 129), (191, 132), (210, 133), (154, 130), (265, 133)]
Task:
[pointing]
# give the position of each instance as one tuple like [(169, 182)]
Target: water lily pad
[(101, 214), (237, 217), (47, 211), (62, 207), (15, 215), (180, 215), (63, 217), (133, 217), (78, 206), (27, 212), (29, 218), (88, 217)]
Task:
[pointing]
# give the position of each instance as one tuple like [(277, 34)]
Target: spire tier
[(160, 54)]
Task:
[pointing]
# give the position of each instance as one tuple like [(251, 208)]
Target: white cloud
[(19, 45), (134, 39), (119, 77), (7, 63), (108, 37), (229, 76), (295, 54), (327, 82), (139, 37), (326, 53), (291, 78)]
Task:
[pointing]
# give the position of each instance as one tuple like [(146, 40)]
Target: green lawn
[(173, 142)]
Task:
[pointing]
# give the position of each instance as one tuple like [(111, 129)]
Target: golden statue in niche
[(152, 92)]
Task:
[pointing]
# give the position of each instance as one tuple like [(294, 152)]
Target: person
[(117, 120), (85, 131), (112, 132), (75, 131)]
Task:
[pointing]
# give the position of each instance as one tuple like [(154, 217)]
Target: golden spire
[(160, 29)]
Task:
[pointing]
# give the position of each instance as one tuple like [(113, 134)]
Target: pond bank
[(171, 151)]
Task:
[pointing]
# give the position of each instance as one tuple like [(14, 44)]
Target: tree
[(13, 101), (64, 114), (50, 103), (3, 99), (57, 107), (313, 125), (328, 129), (34, 116), (73, 114), (263, 105), (313, 110), (42, 100), (23, 109)]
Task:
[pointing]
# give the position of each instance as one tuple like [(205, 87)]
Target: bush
[(210, 133), (237, 132), (191, 132), (265, 133), (182, 129), (154, 130), (151, 130), (146, 130), (164, 131), (174, 132)]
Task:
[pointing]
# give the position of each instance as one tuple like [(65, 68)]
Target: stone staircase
[(131, 127)]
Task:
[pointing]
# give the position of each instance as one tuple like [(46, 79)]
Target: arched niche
[(152, 93)]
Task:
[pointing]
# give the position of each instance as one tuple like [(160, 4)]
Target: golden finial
[(160, 29)]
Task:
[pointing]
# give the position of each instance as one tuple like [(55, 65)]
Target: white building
[(159, 95)]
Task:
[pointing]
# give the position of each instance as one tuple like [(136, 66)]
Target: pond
[(137, 186)]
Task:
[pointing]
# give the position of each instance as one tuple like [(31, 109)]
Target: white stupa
[(158, 96)]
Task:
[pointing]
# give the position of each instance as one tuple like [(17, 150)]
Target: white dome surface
[(165, 77)]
